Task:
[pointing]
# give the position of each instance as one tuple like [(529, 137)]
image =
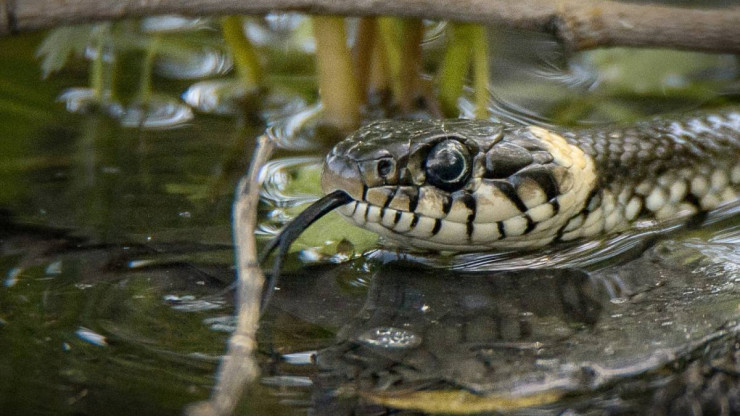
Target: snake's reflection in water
[(555, 338)]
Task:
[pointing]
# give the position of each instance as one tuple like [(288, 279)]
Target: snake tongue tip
[(290, 233)]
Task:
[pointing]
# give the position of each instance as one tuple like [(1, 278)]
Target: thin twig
[(239, 366), (579, 24)]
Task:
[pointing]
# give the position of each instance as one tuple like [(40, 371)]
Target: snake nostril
[(385, 167)]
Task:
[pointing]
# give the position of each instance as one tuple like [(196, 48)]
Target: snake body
[(469, 185)]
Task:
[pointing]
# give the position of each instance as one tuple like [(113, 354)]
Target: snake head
[(459, 184), (408, 153)]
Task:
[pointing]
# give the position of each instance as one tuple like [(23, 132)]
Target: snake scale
[(467, 185)]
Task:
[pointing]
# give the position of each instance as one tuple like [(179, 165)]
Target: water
[(115, 246)]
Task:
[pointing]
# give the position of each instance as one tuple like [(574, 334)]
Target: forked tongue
[(290, 233)]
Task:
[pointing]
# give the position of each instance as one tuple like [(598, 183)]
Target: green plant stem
[(96, 70), (390, 34), (245, 58), (340, 95), (454, 69), (467, 46), (480, 71), (145, 82)]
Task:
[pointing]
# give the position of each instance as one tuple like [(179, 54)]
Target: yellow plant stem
[(379, 78), (340, 94), (362, 52), (245, 57)]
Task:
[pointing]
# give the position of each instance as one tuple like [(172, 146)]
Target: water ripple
[(189, 303), (157, 113), (295, 131), (201, 64), (215, 96), (278, 175)]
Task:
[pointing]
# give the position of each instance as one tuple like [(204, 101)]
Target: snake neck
[(465, 185), (657, 169)]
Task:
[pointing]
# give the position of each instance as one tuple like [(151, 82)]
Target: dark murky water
[(115, 249)]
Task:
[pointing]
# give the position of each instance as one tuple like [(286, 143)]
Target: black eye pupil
[(447, 165), (384, 167)]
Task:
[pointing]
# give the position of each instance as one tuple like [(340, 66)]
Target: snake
[(473, 185), (461, 185)]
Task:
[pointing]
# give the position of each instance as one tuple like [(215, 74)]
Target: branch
[(579, 24), (239, 366)]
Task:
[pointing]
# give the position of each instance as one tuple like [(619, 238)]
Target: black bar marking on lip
[(367, 210), (446, 205), (544, 180), (414, 221), (530, 224), (397, 218), (501, 229), (508, 190), (390, 197), (470, 203), (555, 206), (413, 199), (388, 200), (437, 226), (354, 209)]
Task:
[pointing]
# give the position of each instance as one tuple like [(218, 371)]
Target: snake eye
[(448, 165), (384, 167)]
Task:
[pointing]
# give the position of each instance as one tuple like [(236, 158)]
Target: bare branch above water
[(239, 365), (578, 24)]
